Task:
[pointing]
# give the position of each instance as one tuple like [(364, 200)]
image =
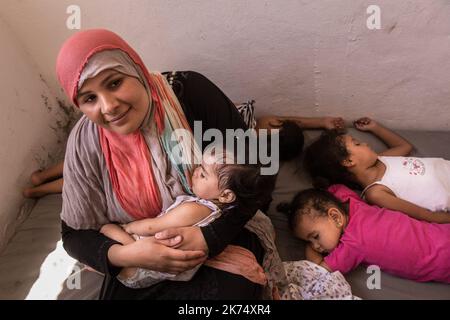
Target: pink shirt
[(398, 244)]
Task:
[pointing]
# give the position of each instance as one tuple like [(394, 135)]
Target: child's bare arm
[(377, 195), (270, 122), (398, 146), (115, 232), (314, 256), (184, 215)]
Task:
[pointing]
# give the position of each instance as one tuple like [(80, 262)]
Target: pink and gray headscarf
[(132, 160)]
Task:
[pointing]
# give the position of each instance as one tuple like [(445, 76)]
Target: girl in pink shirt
[(343, 231)]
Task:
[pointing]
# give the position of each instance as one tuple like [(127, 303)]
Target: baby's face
[(321, 231), (205, 183)]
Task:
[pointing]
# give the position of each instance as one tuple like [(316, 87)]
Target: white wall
[(309, 57), (31, 127)]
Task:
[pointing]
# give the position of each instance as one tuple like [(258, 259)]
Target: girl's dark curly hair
[(323, 160), (291, 140), (312, 202)]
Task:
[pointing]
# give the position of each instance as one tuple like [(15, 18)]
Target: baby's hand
[(144, 227), (331, 123), (128, 227), (365, 124)]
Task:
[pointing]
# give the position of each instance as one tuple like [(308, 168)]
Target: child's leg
[(39, 177), (44, 189)]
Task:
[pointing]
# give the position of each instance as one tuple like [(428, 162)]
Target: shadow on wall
[(65, 117)]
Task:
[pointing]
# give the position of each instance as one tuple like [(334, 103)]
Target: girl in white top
[(419, 187)]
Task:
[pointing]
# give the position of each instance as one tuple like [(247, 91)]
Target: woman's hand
[(365, 124), (148, 253), (185, 238), (330, 123)]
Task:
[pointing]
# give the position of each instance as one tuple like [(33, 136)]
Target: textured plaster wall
[(310, 57), (31, 127)]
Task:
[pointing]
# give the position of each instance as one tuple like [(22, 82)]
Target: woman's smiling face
[(114, 101)]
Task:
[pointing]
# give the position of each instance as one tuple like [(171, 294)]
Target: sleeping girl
[(343, 231), (419, 187)]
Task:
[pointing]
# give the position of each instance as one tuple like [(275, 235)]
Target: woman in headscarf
[(119, 167)]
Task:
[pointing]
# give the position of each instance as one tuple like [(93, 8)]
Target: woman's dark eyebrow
[(102, 83)]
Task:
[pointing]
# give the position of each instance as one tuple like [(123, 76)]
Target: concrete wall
[(31, 127), (309, 57), (303, 57)]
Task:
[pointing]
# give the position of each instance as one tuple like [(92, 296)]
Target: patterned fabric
[(309, 281), (247, 111), (294, 280)]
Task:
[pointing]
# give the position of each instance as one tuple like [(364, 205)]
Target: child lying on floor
[(419, 187), (343, 231)]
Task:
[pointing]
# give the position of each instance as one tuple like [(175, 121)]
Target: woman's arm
[(186, 214), (117, 233), (377, 195), (89, 247), (398, 146)]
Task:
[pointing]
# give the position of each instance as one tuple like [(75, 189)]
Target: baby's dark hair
[(314, 202), (291, 140), (252, 189), (323, 160)]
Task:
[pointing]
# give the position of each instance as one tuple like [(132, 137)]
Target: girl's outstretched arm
[(377, 195), (398, 146), (269, 122)]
